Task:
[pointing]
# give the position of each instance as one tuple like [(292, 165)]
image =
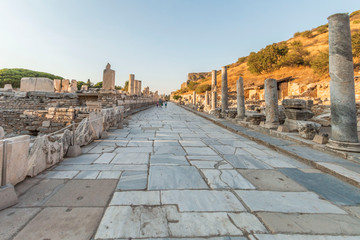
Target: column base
[(8, 196), (343, 146)]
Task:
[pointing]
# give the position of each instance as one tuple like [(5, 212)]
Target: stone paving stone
[(83, 167), (132, 180), (105, 158), (62, 223), (131, 158), (141, 222), (301, 237), (87, 175), (204, 164), (134, 150), (168, 160), (342, 171), (132, 198), (327, 186), (192, 143), (203, 151), (200, 224), (87, 148), (25, 185), (205, 158), (287, 202), (247, 222), (82, 159), (13, 219), (133, 167), (102, 149), (311, 223), (40, 193), (275, 162), (223, 149), (272, 180), (226, 179), (353, 210), (80, 193), (211, 141), (202, 200), (211, 238), (175, 177), (161, 143), (135, 143), (109, 175), (58, 174), (246, 162), (171, 150)]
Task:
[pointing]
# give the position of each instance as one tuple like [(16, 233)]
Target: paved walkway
[(172, 174)]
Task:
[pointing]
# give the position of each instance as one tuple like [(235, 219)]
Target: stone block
[(321, 139), (108, 78), (17, 151), (298, 114), (36, 85), (294, 103), (57, 85), (8, 87), (74, 151), (8, 196), (282, 128), (291, 125), (65, 84), (308, 129), (46, 124), (2, 133)]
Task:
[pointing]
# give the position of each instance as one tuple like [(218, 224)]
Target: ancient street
[(172, 174)]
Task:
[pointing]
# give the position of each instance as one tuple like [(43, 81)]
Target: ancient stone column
[(240, 98), (131, 84), (213, 80), (108, 78), (213, 99), (342, 90), (139, 88), (271, 104), (207, 98), (194, 98), (224, 90)]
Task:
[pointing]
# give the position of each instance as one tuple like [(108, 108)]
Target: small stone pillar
[(213, 80), (271, 104), (108, 78), (213, 99), (207, 98), (342, 90), (224, 90), (131, 84), (240, 98), (194, 98)]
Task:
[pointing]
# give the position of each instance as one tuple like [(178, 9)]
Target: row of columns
[(134, 87)]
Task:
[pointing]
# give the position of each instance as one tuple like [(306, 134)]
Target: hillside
[(14, 75), (304, 58)]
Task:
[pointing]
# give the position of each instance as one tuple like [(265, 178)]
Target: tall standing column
[(139, 88), (213, 80), (224, 90), (240, 98), (342, 88), (213, 99), (271, 104), (194, 98), (131, 84), (207, 98)]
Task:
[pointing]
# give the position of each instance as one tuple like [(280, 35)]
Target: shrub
[(79, 84), (320, 63), (177, 97), (307, 34), (355, 39), (356, 22), (192, 85), (297, 55), (297, 34), (355, 13), (98, 85), (126, 86), (241, 60), (267, 59), (322, 29), (203, 88)]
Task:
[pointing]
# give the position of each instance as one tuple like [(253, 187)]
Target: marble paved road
[(170, 174)]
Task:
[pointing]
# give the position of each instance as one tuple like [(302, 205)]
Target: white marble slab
[(133, 198), (202, 200), (203, 151), (109, 175), (131, 158), (248, 222), (134, 150), (302, 237), (341, 171), (226, 179), (136, 143), (288, 202), (59, 174), (192, 143), (87, 175), (105, 158)]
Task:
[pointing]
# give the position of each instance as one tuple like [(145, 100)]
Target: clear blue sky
[(160, 41)]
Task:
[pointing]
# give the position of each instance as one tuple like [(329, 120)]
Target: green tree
[(296, 56), (355, 39), (203, 88), (192, 85), (126, 86), (98, 85), (177, 97), (79, 84), (320, 63)]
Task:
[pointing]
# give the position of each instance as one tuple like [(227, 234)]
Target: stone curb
[(242, 130)]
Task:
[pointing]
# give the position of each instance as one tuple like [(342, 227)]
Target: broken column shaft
[(224, 90), (271, 104), (240, 98)]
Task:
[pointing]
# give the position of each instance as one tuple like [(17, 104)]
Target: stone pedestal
[(342, 90), (108, 78), (213, 99), (36, 84), (240, 98), (8, 196), (213, 80), (271, 102), (224, 90)]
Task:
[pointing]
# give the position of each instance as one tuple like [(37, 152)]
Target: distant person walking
[(165, 104), (157, 104)]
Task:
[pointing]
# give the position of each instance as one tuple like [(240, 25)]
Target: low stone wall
[(25, 159)]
